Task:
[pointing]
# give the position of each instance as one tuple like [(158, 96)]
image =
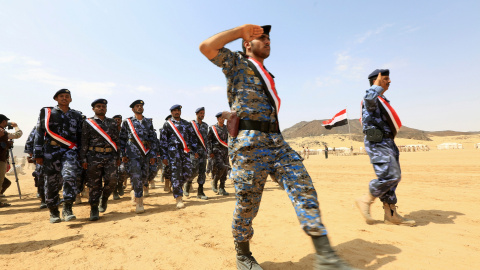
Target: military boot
[(54, 215), (180, 203), (186, 189), (393, 218), (167, 185), (103, 204), (132, 198), (67, 212), (43, 205), (327, 259), (146, 191), (152, 184), (139, 206), (120, 189), (363, 203), (215, 185), (94, 214), (245, 260), (221, 190), (115, 195), (200, 194)]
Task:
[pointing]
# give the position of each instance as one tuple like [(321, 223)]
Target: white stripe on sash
[(185, 146), (102, 132), (391, 113), (197, 130), (218, 137), (57, 137), (267, 78), (137, 138)]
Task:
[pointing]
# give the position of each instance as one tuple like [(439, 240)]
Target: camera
[(9, 125)]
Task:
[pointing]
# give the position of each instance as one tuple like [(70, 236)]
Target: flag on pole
[(339, 119)]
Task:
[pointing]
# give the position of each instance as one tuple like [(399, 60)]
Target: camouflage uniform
[(200, 163), (38, 172), (101, 164), (383, 155), (172, 150), (255, 154), (220, 163), (138, 164), (60, 163), (153, 169)]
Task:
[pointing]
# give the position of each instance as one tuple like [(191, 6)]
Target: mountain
[(315, 128)]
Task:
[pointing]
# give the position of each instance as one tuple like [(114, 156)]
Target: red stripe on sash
[(69, 144), (197, 130), (185, 146), (391, 113), (269, 81), (218, 137), (137, 138), (102, 132)]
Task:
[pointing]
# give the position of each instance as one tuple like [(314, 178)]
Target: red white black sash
[(185, 146), (218, 137), (392, 117), (102, 132), (269, 82), (197, 130), (69, 144), (136, 137)]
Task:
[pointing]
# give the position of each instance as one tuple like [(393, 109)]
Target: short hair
[(372, 80), (243, 46)]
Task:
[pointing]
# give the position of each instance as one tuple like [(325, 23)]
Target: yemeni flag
[(339, 119)]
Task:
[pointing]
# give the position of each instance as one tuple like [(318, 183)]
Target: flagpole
[(348, 122)]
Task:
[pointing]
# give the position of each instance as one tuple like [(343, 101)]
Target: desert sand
[(440, 190)]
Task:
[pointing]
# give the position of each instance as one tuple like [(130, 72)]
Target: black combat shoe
[(200, 194), (186, 189), (327, 259), (115, 195), (223, 192), (43, 205), (245, 260), (67, 212), (54, 215), (120, 190), (215, 185), (94, 214), (103, 204)]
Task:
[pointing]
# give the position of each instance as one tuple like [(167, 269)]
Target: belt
[(101, 149), (145, 143), (262, 126)]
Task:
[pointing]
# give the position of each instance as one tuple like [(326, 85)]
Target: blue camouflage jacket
[(170, 141), (146, 133)]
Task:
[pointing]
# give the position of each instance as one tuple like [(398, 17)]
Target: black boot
[(221, 190), (215, 185), (103, 204), (327, 259), (245, 260), (94, 214), (115, 195), (67, 212), (43, 205), (54, 215), (200, 194), (186, 189)]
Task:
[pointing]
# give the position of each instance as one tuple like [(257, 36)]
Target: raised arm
[(212, 45)]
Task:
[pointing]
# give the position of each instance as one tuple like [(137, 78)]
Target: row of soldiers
[(66, 145)]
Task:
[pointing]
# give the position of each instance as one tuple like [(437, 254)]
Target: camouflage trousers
[(384, 157), (61, 168), (138, 170), (39, 178), (166, 172), (101, 166), (122, 174), (255, 155), (199, 167), (181, 167), (153, 171), (220, 166)]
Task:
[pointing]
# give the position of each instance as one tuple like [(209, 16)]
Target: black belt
[(262, 126)]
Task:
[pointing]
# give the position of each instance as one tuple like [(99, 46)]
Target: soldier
[(100, 157), (199, 164), (218, 152), (166, 171), (138, 150), (57, 141), (38, 172), (380, 125), (122, 173), (178, 139), (259, 148)]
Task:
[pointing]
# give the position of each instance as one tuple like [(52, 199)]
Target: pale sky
[(322, 53)]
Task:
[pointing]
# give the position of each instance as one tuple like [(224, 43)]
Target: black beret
[(200, 109), (385, 72), (266, 29), (218, 114), (168, 117), (117, 116), (3, 118), (100, 100), (138, 101), (176, 106), (61, 91)]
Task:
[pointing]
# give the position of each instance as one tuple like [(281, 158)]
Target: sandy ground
[(439, 189)]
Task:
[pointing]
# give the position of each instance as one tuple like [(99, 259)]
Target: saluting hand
[(251, 32), (380, 81)]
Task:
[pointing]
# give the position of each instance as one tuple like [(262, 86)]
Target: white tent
[(445, 146)]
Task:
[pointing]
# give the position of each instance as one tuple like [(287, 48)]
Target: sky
[(321, 55)]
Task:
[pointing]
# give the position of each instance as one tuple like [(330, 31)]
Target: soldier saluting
[(138, 150), (100, 156), (57, 141), (218, 152)]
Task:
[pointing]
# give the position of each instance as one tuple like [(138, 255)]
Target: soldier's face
[(176, 113), (118, 120), (201, 115), (260, 47), (220, 120), (63, 99), (100, 109), (138, 109), (3, 124)]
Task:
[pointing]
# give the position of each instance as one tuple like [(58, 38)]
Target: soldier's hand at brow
[(251, 32), (85, 165), (378, 81)]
